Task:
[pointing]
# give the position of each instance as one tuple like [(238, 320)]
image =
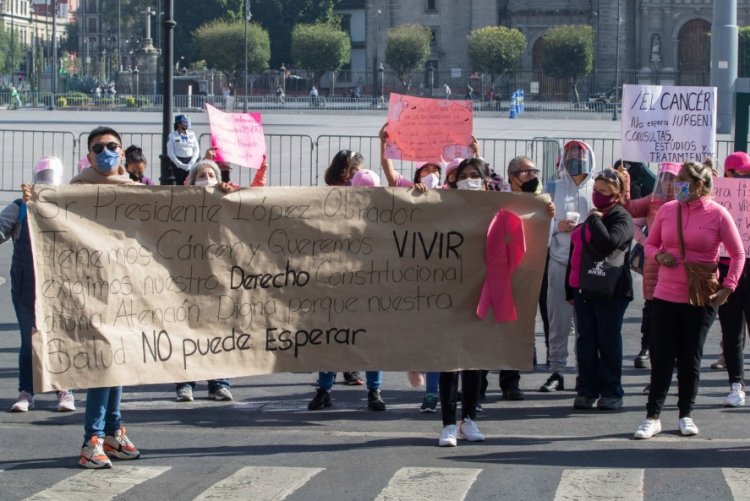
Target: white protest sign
[(663, 123)]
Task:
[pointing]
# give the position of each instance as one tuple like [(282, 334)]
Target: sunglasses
[(97, 148)]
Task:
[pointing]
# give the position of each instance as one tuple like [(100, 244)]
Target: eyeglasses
[(527, 173), (97, 148)]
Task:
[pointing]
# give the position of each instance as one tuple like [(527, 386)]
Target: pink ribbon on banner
[(505, 249)]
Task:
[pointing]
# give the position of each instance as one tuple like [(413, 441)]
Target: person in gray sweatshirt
[(572, 199)]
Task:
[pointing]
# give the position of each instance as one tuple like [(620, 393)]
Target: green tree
[(406, 50), (280, 17), (6, 58), (222, 43), (496, 50), (569, 54), (320, 47), (743, 68)]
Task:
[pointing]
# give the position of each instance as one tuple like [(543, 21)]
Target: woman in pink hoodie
[(680, 328), (647, 207)]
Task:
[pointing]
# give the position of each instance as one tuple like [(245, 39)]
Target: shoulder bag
[(702, 280)]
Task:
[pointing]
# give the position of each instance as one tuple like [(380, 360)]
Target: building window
[(433, 36), (431, 5), (346, 24)]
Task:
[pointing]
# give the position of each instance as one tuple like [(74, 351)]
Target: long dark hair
[(343, 166)]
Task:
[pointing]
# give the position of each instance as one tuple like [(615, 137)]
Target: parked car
[(605, 101)]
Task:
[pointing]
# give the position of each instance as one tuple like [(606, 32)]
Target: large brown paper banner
[(164, 284)]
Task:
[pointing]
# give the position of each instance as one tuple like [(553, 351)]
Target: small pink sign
[(238, 137)]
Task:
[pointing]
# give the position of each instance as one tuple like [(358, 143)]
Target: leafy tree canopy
[(320, 47), (569, 53), (496, 50), (407, 49), (223, 44)]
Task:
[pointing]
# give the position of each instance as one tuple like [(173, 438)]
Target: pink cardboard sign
[(422, 129), (238, 137), (734, 195)]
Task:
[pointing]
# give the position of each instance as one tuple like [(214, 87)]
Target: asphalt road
[(266, 445)]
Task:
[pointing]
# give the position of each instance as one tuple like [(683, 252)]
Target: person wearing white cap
[(14, 224)]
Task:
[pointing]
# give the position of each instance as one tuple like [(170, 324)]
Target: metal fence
[(294, 160), (270, 104)]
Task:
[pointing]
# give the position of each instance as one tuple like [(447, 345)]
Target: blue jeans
[(25, 315), (374, 378), (213, 384), (599, 345), (102, 412), (432, 382)]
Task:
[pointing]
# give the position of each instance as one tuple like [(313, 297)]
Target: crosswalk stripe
[(591, 484), (99, 485), (412, 483), (738, 480), (260, 483)]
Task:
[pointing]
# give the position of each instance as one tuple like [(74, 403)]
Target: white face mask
[(473, 184), (431, 180), (206, 181)]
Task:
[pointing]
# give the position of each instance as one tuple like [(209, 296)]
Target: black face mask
[(225, 175), (532, 186)]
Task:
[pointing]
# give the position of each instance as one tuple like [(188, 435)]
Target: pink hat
[(739, 160), (365, 177), (48, 170), (453, 165), (670, 168)]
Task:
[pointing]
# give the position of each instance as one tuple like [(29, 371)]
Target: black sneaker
[(353, 379), (642, 360), (513, 394), (554, 383), (321, 400), (479, 407), (429, 403), (374, 402)]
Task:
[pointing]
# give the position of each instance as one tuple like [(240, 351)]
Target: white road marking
[(738, 480), (447, 484), (100, 485), (591, 484), (260, 483)]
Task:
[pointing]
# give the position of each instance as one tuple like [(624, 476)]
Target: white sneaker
[(24, 402), (688, 427), (736, 397), (65, 401), (468, 430), (448, 437), (648, 428)]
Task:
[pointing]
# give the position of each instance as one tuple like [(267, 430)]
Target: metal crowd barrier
[(294, 160)]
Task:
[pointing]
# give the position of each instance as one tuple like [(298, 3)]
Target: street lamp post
[(135, 73), (431, 71), (381, 72), (248, 16), (617, 60)]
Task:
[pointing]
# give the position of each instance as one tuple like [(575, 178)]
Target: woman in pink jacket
[(679, 328), (647, 207)]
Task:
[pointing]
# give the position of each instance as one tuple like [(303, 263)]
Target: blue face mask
[(682, 191), (107, 160)]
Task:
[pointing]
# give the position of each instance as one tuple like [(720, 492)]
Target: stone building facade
[(660, 40)]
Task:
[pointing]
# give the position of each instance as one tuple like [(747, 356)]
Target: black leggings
[(679, 331), (733, 315), (470, 382)]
